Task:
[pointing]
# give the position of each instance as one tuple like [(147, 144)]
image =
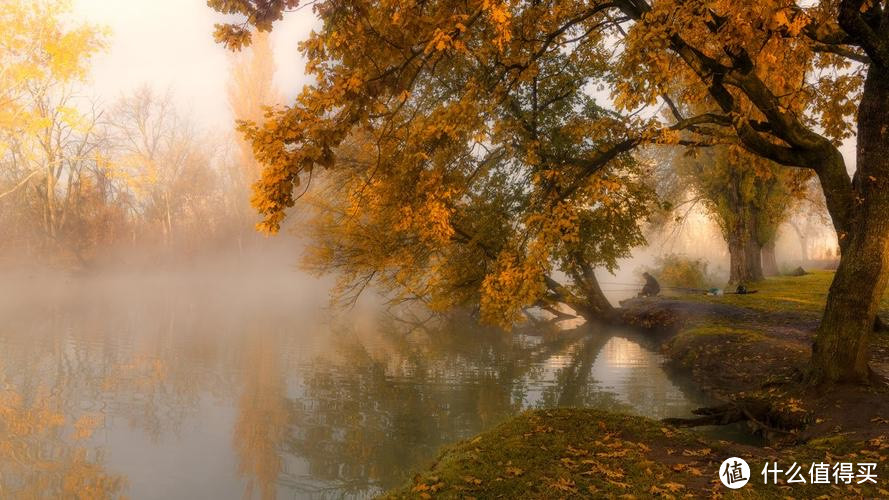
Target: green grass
[(563, 453), (581, 453), (801, 294)]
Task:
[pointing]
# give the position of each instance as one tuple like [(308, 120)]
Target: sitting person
[(651, 288)]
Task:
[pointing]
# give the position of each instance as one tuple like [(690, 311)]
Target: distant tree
[(49, 138), (251, 91), (748, 197), (166, 164), (809, 219)]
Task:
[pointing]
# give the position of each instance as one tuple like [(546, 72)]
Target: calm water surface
[(213, 386)]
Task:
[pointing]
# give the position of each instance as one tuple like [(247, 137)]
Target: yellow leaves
[(423, 488), (564, 484), (71, 116), (69, 54), (431, 217), (442, 40), (668, 488), (514, 471), (499, 16), (703, 452), (599, 469), (38, 42), (35, 124), (513, 284), (472, 480)]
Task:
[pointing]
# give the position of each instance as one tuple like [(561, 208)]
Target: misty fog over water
[(232, 377)]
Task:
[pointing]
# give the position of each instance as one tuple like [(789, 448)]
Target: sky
[(168, 44)]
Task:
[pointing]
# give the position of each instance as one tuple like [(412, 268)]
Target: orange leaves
[(430, 217), (442, 40), (564, 484), (499, 16), (667, 488), (512, 284), (793, 23), (233, 37), (451, 197)]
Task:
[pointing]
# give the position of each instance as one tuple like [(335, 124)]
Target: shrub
[(681, 271)]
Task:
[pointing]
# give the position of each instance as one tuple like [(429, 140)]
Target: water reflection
[(196, 390)]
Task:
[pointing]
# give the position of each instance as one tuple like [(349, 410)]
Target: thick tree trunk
[(589, 301), (769, 260), (841, 347), (596, 300), (744, 253)]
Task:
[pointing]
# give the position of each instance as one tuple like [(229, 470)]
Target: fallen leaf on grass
[(564, 484), (514, 471), (697, 453), (674, 487), (612, 454)]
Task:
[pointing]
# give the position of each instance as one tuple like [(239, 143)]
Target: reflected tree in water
[(379, 406), (263, 415)]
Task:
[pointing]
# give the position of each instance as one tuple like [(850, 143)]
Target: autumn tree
[(250, 91), (747, 196), (166, 164), (464, 188), (784, 80), (49, 138)]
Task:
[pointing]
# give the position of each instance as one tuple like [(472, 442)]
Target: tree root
[(757, 413)]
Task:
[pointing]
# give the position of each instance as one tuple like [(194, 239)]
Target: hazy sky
[(169, 44)]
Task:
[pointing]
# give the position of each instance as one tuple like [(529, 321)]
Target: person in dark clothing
[(651, 288)]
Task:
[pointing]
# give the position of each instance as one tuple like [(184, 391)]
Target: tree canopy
[(781, 79)]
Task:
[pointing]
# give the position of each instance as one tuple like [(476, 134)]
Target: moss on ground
[(577, 453), (567, 452)]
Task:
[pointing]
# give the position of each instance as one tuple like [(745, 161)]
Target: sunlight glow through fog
[(169, 44)]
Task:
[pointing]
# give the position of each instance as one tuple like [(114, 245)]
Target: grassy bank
[(738, 348), (577, 453), (782, 294)]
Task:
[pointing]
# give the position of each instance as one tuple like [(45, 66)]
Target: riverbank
[(747, 351)]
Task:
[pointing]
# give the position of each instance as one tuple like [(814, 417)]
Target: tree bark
[(841, 348), (769, 260), (596, 300), (744, 253), (589, 301)]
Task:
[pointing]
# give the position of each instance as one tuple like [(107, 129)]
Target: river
[(213, 385)]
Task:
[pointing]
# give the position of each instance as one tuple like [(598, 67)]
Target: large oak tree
[(784, 80)]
